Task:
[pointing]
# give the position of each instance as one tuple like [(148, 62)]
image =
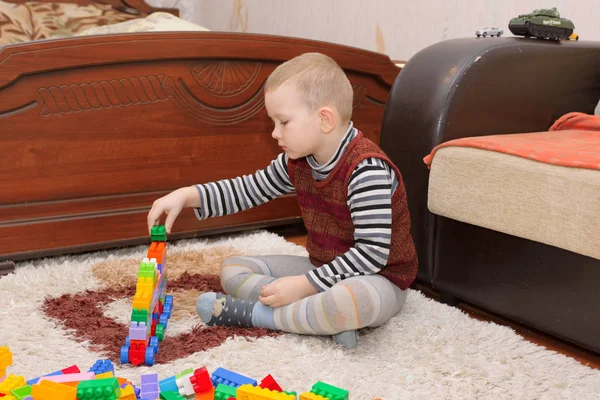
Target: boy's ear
[(327, 117)]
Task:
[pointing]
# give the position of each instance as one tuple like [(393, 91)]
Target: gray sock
[(348, 339), (223, 310)]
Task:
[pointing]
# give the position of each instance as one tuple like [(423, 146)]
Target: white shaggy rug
[(429, 351)]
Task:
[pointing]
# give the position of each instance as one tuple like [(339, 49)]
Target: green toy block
[(139, 315), (329, 391), (171, 396), (189, 371), (21, 393), (158, 233), (146, 270), (99, 389), (160, 332), (224, 392)]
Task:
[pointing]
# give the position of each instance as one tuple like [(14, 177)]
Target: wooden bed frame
[(94, 129)]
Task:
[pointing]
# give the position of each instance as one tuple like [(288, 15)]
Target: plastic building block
[(102, 366), (139, 315), (158, 233), (230, 378), (127, 393), (48, 390), (137, 331), (208, 395), (73, 369), (224, 392), (168, 385), (201, 380), (250, 392), (11, 382), (82, 376), (171, 396), (99, 389), (311, 396), (5, 360), (184, 386), (21, 393), (270, 383), (149, 386), (329, 391), (157, 251)]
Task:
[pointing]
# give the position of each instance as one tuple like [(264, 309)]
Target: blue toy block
[(230, 378), (35, 380), (169, 384), (102, 366)]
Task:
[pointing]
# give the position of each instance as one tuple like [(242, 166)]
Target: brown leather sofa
[(478, 87)]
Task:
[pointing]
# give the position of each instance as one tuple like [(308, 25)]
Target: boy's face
[(297, 128)]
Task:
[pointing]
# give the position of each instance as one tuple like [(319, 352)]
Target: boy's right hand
[(171, 205)]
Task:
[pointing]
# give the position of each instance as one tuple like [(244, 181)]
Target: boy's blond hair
[(318, 79)]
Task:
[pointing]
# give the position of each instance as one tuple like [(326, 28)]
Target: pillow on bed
[(35, 21), (155, 22)]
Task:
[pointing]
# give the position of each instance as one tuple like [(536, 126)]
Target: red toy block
[(201, 380), (137, 351), (73, 369), (270, 383)]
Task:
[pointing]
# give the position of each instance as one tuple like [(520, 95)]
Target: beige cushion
[(551, 204), (155, 22)]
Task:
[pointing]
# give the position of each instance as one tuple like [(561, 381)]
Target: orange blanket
[(573, 141)]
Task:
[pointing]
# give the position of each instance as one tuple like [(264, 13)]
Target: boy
[(361, 254)]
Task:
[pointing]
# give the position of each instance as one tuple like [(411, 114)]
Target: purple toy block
[(137, 331), (149, 386)]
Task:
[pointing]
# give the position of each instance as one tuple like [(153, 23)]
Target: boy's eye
[(284, 122)]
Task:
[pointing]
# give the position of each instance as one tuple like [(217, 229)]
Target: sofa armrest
[(475, 87)]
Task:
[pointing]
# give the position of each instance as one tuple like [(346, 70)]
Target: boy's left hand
[(286, 290)]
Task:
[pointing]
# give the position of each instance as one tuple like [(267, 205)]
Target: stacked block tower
[(151, 308)]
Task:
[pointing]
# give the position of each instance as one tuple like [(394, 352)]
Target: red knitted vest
[(327, 216)]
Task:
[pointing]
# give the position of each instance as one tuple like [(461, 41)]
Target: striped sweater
[(370, 190)]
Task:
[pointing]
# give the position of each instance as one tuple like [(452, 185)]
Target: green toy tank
[(543, 23)]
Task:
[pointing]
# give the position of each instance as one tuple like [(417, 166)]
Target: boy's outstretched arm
[(229, 196), (370, 191)]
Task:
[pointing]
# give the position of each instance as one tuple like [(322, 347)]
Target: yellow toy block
[(250, 392), (9, 397), (48, 390), (312, 396), (12, 382), (127, 393), (108, 374), (143, 294)]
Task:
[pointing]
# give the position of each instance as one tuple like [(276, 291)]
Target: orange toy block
[(48, 390), (5, 360), (157, 250), (208, 395)]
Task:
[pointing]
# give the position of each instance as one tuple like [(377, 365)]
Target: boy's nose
[(275, 134)]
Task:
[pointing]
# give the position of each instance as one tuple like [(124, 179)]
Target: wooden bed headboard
[(94, 129), (129, 6)]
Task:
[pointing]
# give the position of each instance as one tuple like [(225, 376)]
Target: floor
[(298, 236)]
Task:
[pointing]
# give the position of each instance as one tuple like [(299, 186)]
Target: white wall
[(398, 28)]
